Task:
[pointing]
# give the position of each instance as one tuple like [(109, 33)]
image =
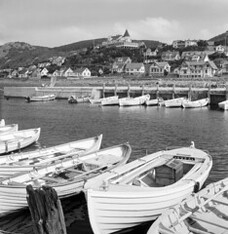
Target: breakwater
[(216, 94)]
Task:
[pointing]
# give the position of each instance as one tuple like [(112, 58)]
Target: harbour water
[(147, 129)]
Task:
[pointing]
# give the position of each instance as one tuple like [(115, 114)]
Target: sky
[(55, 23)]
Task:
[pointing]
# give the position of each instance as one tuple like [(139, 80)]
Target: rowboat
[(82, 99), (194, 104), (204, 212), (67, 177), (110, 101), (142, 189), (223, 105), (105, 100), (134, 101), (18, 140), (175, 102), (43, 98), (26, 161), (153, 102), (8, 129)]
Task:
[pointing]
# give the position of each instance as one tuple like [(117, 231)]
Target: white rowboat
[(43, 98), (110, 101), (201, 213), (194, 104), (137, 101), (26, 161), (8, 129), (66, 177), (142, 189), (18, 140), (176, 102), (223, 105), (105, 100), (153, 102)]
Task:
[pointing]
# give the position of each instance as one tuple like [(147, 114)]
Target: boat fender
[(196, 187)]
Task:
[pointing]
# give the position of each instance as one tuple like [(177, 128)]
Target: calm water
[(147, 129)]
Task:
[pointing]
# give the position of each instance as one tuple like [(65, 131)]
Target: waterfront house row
[(39, 73)]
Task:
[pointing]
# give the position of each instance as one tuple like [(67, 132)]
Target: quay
[(216, 94)]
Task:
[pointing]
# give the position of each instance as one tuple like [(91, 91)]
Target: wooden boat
[(154, 102), (105, 100), (43, 98), (134, 101), (18, 140), (176, 102), (66, 177), (194, 104), (142, 189), (110, 101), (82, 99), (26, 161), (201, 213), (8, 129), (223, 105)]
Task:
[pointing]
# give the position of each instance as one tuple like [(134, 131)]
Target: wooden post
[(115, 91), (190, 92), (174, 91), (226, 91), (157, 91), (143, 89), (128, 90), (103, 94), (209, 93), (46, 210)]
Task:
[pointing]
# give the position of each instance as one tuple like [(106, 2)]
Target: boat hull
[(176, 102), (117, 205), (18, 140), (13, 189), (44, 98), (137, 101), (223, 105), (8, 129), (203, 209), (195, 104)]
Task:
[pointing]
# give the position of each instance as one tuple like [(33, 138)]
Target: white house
[(68, 72), (83, 72), (159, 69), (44, 72), (135, 68)]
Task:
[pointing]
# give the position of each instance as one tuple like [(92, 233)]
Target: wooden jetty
[(215, 94)]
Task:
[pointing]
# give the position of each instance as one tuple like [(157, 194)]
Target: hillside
[(16, 54), (220, 39)]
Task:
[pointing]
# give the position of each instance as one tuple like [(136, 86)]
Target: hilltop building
[(124, 41)]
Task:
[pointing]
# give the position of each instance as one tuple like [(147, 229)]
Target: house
[(198, 69), (170, 55), (150, 53), (68, 72), (190, 43), (44, 72), (195, 56), (23, 73), (56, 73), (221, 49), (82, 72), (159, 69), (14, 73), (124, 41), (119, 64), (36, 73), (135, 68), (178, 44)]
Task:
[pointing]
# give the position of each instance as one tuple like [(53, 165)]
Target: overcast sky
[(59, 22)]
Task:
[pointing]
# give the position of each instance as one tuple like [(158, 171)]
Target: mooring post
[(128, 90), (209, 92), (190, 92), (103, 91), (226, 91), (143, 89), (157, 91), (46, 210), (115, 91), (174, 91)]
